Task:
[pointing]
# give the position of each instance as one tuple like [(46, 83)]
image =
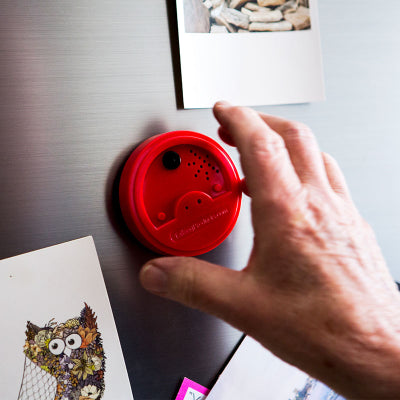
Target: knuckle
[(298, 131), (367, 228), (265, 145), (187, 285)]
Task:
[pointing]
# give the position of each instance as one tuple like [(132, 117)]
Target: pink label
[(192, 391)]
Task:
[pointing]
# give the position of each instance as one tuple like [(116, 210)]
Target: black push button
[(171, 160)]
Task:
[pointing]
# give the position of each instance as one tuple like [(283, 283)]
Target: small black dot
[(213, 167), (171, 160), (206, 173), (199, 158), (195, 175), (209, 164), (189, 164), (199, 201), (217, 171), (207, 155), (198, 171), (208, 178), (187, 208), (201, 166), (204, 161), (191, 151), (194, 163), (195, 154)]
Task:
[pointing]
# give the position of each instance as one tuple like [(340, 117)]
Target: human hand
[(316, 290)]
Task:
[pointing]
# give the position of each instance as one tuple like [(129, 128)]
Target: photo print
[(315, 390), (249, 53), (244, 16), (255, 373)]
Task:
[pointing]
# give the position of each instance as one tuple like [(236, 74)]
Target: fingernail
[(154, 279), (223, 103)]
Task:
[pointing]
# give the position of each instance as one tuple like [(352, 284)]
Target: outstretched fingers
[(265, 161), (336, 177), (303, 149)]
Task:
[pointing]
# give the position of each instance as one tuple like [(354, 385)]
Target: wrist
[(369, 365)]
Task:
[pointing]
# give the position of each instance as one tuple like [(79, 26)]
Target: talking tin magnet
[(180, 193)]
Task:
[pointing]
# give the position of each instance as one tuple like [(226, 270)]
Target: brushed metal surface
[(82, 82)]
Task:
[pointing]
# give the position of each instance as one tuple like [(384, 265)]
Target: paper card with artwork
[(255, 373), (249, 52), (59, 340)]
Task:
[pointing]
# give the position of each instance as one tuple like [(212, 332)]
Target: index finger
[(265, 161)]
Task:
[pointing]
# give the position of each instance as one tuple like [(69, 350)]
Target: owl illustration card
[(58, 339)]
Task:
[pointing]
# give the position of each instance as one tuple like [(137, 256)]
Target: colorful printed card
[(192, 391), (59, 340)]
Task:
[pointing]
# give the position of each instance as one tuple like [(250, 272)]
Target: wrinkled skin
[(316, 290)]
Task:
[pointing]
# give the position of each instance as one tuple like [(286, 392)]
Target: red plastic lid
[(180, 193)]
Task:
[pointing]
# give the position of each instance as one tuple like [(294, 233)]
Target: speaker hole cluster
[(203, 165)]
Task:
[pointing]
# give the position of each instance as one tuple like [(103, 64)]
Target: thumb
[(195, 283)]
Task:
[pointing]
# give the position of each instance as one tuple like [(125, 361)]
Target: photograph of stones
[(243, 16)]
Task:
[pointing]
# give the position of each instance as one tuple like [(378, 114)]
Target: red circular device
[(180, 193)]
